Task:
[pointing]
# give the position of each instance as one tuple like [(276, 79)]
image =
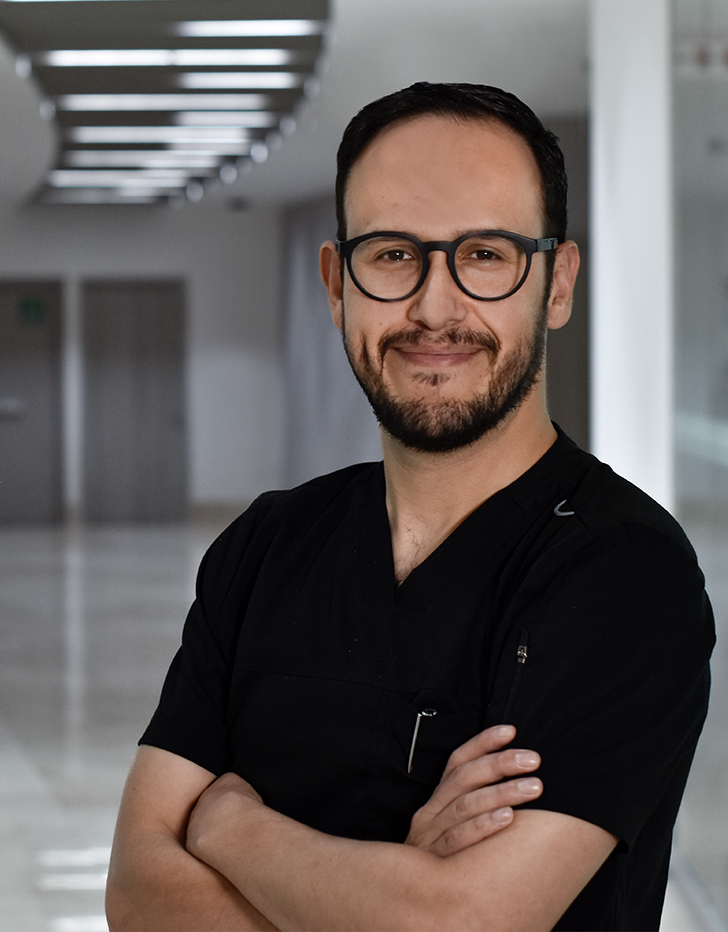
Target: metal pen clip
[(425, 713)]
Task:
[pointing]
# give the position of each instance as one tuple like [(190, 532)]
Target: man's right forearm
[(160, 887), (154, 883)]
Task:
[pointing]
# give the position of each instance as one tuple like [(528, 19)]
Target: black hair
[(459, 101)]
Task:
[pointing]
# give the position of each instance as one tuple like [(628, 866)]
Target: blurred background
[(166, 350)]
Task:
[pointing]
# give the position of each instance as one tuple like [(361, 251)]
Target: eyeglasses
[(489, 265)]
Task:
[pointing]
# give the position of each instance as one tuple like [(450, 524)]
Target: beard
[(444, 425)]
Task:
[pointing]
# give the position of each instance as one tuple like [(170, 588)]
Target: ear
[(566, 267), (330, 264)]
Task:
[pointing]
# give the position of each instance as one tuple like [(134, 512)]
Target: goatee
[(446, 425)]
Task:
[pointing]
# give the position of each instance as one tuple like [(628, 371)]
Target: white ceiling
[(536, 48)]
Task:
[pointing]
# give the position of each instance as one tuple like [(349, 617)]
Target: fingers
[(485, 742), (471, 775), (484, 824), (474, 799), (471, 816)]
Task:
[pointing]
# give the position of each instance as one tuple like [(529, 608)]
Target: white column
[(632, 242)]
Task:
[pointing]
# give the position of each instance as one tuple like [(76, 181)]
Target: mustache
[(454, 337)]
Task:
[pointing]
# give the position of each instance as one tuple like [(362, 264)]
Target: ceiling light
[(254, 119), (141, 158), (250, 27), (274, 80), (228, 173), (96, 196), (105, 135), (194, 191), (160, 178), (162, 102), (259, 152), (218, 103), (165, 58)]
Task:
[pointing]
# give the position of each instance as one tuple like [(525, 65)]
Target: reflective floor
[(89, 620)]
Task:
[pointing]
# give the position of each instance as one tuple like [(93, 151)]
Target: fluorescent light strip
[(211, 137), (163, 58), (253, 119), (221, 149), (271, 80), (105, 102), (250, 27), (159, 178), (102, 196), (140, 158)]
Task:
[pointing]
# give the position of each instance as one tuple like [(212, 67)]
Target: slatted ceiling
[(159, 15), (195, 116)]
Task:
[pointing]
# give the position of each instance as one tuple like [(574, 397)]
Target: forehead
[(438, 176)]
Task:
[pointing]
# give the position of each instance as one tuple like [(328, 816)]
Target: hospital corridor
[(167, 352)]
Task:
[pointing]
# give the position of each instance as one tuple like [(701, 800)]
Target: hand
[(470, 803), (212, 811)]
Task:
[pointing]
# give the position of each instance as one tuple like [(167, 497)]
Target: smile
[(438, 357)]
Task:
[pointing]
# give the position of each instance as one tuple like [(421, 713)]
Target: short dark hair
[(462, 102)]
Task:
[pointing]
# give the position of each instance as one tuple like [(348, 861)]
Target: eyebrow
[(458, 233)]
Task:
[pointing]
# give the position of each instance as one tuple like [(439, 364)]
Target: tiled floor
[(89, 619)]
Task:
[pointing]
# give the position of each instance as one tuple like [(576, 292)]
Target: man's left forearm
[(301, 878), (523, 877)]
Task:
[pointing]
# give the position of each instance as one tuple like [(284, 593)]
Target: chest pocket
[(412, 741)]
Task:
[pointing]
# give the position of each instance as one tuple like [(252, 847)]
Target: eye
[(389, 255), (488, 251), (395, 255), (483, 255)]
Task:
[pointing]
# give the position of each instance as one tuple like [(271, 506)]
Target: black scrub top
[(568, 604)]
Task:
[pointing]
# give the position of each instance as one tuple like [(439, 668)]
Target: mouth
[(453, 348), (436, 356)]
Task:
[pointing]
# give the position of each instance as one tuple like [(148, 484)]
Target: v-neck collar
[(477, 542)]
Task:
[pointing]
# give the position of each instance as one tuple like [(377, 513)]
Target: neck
[(430, 494)]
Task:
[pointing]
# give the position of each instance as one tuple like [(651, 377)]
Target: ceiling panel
[(218, 83)]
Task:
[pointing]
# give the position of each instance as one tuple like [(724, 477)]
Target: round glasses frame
[(530, 246)]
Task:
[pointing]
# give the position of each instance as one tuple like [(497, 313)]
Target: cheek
[(364, 322)]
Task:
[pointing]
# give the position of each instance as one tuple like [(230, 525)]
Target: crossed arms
[(195, 853)]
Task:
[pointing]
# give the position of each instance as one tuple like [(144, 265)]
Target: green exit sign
[(32, 311)]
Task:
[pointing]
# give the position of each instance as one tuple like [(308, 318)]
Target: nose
[(439, 303)]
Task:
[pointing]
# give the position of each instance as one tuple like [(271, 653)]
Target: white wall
[(230, 263)]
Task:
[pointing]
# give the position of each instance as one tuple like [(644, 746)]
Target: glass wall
[(701, 400)]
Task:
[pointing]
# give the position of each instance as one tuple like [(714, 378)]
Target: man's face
[(440, 369)]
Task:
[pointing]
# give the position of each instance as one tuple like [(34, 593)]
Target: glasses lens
[(387, 267), (490, 266)]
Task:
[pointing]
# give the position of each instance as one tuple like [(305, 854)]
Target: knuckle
[(456, 775), (447, 843), (422, 816), (461, 808), (456, 758), (485, 825)]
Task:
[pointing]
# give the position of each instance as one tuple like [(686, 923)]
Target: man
[(361, 647)]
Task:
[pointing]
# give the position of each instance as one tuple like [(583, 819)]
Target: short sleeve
[(191, 718), (606, 675)]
